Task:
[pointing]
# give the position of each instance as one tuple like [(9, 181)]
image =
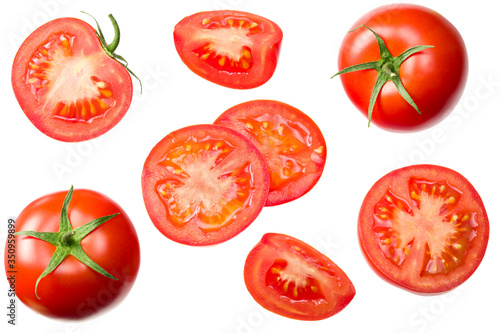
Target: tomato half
[(68, 86), (423, 228), (231, 48), (433, 77), (291, 142), (73, 290), (292, 279), (204, 184)]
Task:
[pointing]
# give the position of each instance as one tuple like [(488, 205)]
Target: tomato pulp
[(68, 86), (231, 48), (434, 77), (204, 184), (292, 279), (423, 228), (291, 142)]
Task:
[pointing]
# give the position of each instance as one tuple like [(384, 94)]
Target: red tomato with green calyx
[(231, 48), (292, 279), (423, 228), (290, 141), (422, 55), (204, 184), (69, 82), (77, 254)]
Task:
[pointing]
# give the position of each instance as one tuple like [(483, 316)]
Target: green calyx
[(67, 241), (388, 70), (110, 48)]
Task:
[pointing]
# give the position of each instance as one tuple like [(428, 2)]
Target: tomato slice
[(292, 279), (423, 228), (231, 48), (65, 83), (204, 184), (291, 142)]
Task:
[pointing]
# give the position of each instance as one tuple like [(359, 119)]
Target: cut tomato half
[(67, 85), (231, 48), (423, 228), (291, 142), (204, 184), (293, 279)]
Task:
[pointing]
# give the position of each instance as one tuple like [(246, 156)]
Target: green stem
[(116, 40), (388, 70), (111, 48), (66, 238)]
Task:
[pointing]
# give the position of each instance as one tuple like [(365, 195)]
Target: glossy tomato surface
[(293, 279), (434, 78), (291, 142), (231, 48), (65, 83), (73, 290), (423, 228), (204, 184)]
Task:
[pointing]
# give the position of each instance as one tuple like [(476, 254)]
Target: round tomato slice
[(76, 254), (419, 51), (231, 48), (291, 142), (423, 228), (292, 279), (67, 85), (204, 184)]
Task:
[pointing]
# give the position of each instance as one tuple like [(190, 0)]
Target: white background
[(188, 289)]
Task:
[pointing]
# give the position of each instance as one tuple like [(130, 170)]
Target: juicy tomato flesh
[(210, 181), (199, 188), (231, 48), (285, 278), (292, 144), (290, 278), (230, 45), (73, 91), (445, 235), (428, 235), (65, 83)]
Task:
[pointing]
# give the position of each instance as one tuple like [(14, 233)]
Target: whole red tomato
[(419, 51), (75, 262)]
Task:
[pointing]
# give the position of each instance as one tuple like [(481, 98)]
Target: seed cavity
[(296, 285), (429, 220)]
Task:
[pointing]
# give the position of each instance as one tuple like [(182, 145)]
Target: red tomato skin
[(73, 290), (427, 285), (265, 61), (435, 78), (261, 258), (190, 234), (89, 45)]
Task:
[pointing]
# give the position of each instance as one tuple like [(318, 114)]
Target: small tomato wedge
[(204, 184), (68, 84), (291, 142), (231, 48), (76, 254), (292, 279), (423, 228)]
